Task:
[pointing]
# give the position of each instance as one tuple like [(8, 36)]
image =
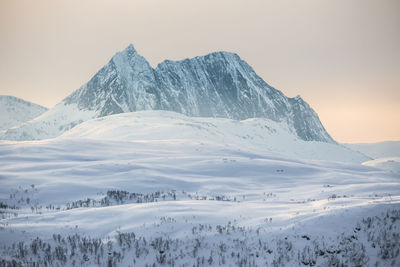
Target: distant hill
[(15, 111), (377, 150), (386, 155)]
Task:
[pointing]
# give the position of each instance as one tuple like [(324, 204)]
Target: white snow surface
[(50, 124), (15, 111), (259, 134), (231, 195), (377, 150), (391, 164), (385, 155)]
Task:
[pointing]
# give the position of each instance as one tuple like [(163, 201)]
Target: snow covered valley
[(156, 193)]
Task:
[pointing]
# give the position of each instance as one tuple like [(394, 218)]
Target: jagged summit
[(131, 48), (218, 84)]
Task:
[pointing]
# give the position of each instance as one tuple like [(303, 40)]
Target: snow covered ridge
[(259, 134), (385, 155), (15, 111), (377, 150), (215, 85)]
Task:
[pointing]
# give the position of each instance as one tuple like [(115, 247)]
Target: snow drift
[(260, 134)]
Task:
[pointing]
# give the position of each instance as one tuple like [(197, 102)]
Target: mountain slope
[(14, 111), (215, 85), (262, 135)]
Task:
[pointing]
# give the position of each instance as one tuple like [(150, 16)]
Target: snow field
[(192, 201)]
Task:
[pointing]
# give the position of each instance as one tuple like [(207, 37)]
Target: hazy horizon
[(341, 57)]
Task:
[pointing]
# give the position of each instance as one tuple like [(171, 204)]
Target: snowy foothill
[(256, 134), (157, 188), (384, 155), (391, 164), (15, 111), (377, 150)]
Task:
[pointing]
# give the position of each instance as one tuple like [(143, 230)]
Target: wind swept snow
[(256, 134), (187, 200)]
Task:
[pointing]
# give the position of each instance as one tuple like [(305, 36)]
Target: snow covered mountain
[(14, 111), (260, 134), (215, 85)]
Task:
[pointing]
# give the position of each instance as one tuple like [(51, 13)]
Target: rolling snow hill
[(391, 164), (385, 155), (15, 111), (259, 134), (75, 201), (377, 150), (219, 84)]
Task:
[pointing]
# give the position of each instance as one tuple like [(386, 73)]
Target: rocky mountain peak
[(218, 84)]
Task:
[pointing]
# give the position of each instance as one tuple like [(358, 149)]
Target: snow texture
[(184, 202), (258, 134)]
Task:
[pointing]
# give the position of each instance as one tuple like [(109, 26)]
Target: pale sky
[(341, 56)]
